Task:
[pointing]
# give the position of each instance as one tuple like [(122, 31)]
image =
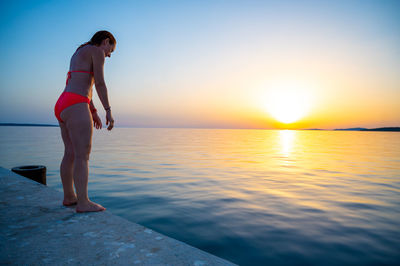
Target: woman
[(77, 115)]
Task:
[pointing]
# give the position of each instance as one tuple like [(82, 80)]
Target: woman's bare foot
[(89, 206), (69, 201)]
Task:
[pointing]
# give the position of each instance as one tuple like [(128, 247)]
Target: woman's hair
[(98, 37)]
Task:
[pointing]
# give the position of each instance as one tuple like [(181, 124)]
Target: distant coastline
[(371, 129), (389, 129), (27, 125), (392, 129)]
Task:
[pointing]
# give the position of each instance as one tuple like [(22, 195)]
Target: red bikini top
[(69, 74)]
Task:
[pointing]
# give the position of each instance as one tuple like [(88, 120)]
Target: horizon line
[(333, 129)]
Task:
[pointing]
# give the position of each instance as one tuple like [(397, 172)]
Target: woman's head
[(103, 39)]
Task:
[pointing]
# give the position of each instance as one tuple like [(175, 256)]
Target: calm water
[(253, 197)]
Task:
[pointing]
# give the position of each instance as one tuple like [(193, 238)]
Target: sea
[(252, 197)]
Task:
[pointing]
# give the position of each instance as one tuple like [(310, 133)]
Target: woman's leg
[(78, 121), (66, 168)]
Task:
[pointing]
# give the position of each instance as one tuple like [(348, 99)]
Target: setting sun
[(288, 103)]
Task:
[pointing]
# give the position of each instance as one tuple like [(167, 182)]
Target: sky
[(210, 64)]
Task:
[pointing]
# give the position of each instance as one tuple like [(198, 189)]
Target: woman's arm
[(98, 70), (96, 119), (101, 88)]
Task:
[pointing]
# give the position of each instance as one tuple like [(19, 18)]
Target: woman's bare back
[(81, 83)]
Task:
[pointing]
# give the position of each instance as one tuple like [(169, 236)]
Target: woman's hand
[(109, 120), (96, 121)]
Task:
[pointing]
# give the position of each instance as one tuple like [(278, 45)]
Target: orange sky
[(213, 65)]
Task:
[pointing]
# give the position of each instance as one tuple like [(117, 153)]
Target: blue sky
[(200, 63)]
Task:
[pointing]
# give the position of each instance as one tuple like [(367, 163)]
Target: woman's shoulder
[(94, 50), (87, 48)]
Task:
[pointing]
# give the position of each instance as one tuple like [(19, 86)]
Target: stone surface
[(35, 228)]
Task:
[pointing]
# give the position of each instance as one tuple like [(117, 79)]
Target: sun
[(288, 102)]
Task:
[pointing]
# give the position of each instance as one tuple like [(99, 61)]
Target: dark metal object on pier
[(34, 172)]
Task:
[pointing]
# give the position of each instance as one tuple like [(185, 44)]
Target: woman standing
[(77, 115)]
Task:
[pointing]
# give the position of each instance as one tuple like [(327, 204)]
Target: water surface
[(253, 197)]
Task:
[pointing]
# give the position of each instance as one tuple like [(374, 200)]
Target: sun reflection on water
[(287, 138)]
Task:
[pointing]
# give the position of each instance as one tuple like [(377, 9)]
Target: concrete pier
[(36, 229)]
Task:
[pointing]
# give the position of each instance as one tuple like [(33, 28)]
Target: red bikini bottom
[(67, 99)]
